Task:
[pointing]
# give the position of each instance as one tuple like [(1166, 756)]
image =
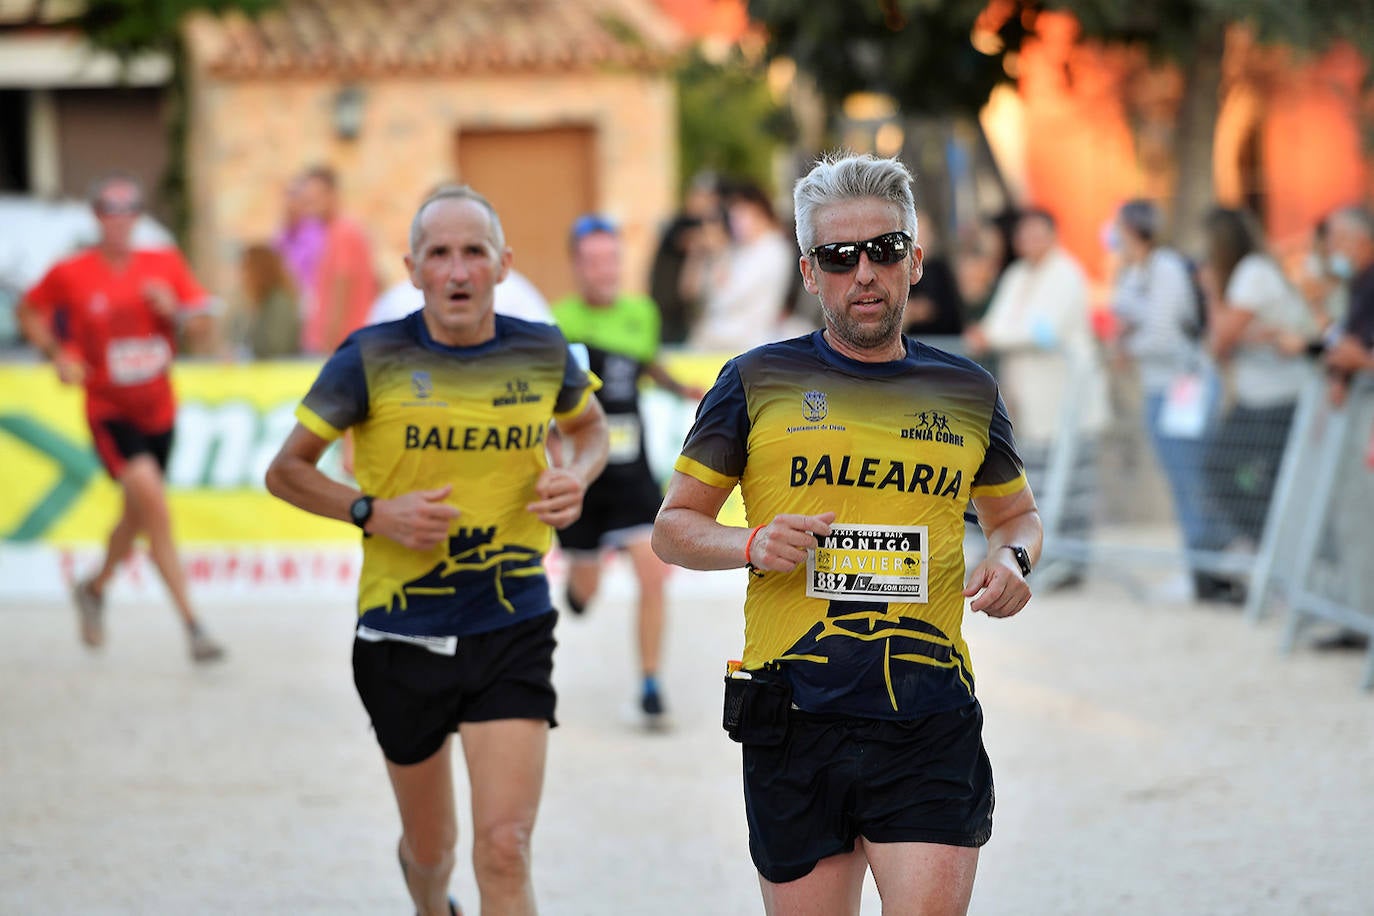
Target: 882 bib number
[(870, 562)]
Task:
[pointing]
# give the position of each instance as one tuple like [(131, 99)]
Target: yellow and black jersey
[(871, 625), (425, 415)]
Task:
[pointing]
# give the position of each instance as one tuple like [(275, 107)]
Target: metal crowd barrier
[(1331, 578), (1275, 515)]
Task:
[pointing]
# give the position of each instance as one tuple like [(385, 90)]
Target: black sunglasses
[(842, 257)]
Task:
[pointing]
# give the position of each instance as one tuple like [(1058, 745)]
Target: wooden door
[(540, 181)]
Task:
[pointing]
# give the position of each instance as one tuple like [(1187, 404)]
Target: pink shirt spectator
[(300, 246), (346, 260)]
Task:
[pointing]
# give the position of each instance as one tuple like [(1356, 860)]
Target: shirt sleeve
[(191, 296), (1253, 283), (717, 445), (48, 294), (1359, 319), (339, 397), (578, 384), (1130, 296), (1001, 472), (1011, 317), (1169, 309)]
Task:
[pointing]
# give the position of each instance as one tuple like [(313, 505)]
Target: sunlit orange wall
[(1081, 160), (725, 19), (1080, 156), (1311, 145)]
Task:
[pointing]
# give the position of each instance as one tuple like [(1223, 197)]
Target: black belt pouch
[(757, 707)]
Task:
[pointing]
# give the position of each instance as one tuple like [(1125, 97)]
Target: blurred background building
[(556, 108)]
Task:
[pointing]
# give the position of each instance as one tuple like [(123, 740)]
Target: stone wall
[(250, 137)]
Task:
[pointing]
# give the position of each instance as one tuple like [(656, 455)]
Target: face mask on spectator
[(1111, 237)]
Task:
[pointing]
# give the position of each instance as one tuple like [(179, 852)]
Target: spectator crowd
[(1215, 343)]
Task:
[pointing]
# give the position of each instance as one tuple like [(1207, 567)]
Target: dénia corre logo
[(420, 383), (932, 426), (814, 407)]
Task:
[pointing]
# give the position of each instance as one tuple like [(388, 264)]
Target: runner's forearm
[(37, 331), (691, 539), (588, 433), (300, 483)]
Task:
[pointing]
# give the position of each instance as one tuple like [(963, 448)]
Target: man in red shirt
[(345, 284), (107, 318)]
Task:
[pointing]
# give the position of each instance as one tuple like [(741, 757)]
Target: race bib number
[(135, 360), (870, 563), (624, 436)]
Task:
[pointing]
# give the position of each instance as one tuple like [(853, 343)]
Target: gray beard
[(865, 337)]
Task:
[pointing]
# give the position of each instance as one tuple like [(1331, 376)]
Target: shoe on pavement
[(1345, 640), (205, 649), (90, 611), (654, 715), (1213, 589)]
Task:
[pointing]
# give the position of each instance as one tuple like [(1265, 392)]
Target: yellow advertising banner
[(231, 419)]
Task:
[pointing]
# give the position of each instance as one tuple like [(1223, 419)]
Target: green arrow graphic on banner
[(77, 464)]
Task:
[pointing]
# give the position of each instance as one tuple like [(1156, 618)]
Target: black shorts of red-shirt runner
[(837, 778), (417, 698), (117, 441)]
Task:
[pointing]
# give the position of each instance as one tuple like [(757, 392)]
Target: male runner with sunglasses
[(857, 451), (108, 319)]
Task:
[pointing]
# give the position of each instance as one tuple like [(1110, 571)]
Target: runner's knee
[(145, 495), (432, 846), (585, 578), (425, 861), (652, 577), (503, 850)]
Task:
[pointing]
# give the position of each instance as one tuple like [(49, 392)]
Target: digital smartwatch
[(1022, 558), (361, 510)]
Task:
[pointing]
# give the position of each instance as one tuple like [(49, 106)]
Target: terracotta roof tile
[(371, 37), (38, 13)]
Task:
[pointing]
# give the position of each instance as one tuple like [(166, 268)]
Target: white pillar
[(45, 172)]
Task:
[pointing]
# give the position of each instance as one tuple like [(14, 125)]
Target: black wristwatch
[(361, 510), (1022, 558)]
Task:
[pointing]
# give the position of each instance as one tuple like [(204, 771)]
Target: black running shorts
[(836, 778), (416, 698), (621, 499), (116, 441)]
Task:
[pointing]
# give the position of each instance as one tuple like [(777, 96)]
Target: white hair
[(846, 176)]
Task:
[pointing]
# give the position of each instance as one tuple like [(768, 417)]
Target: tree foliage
[(129, 27), (944, 58), (917, 51), (920, 52), (1191, 34), (1171, 29), (728, 121)]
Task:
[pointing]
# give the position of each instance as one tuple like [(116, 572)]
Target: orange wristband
[(749, 544)]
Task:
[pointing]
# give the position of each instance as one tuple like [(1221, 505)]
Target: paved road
[(1149, 759)]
